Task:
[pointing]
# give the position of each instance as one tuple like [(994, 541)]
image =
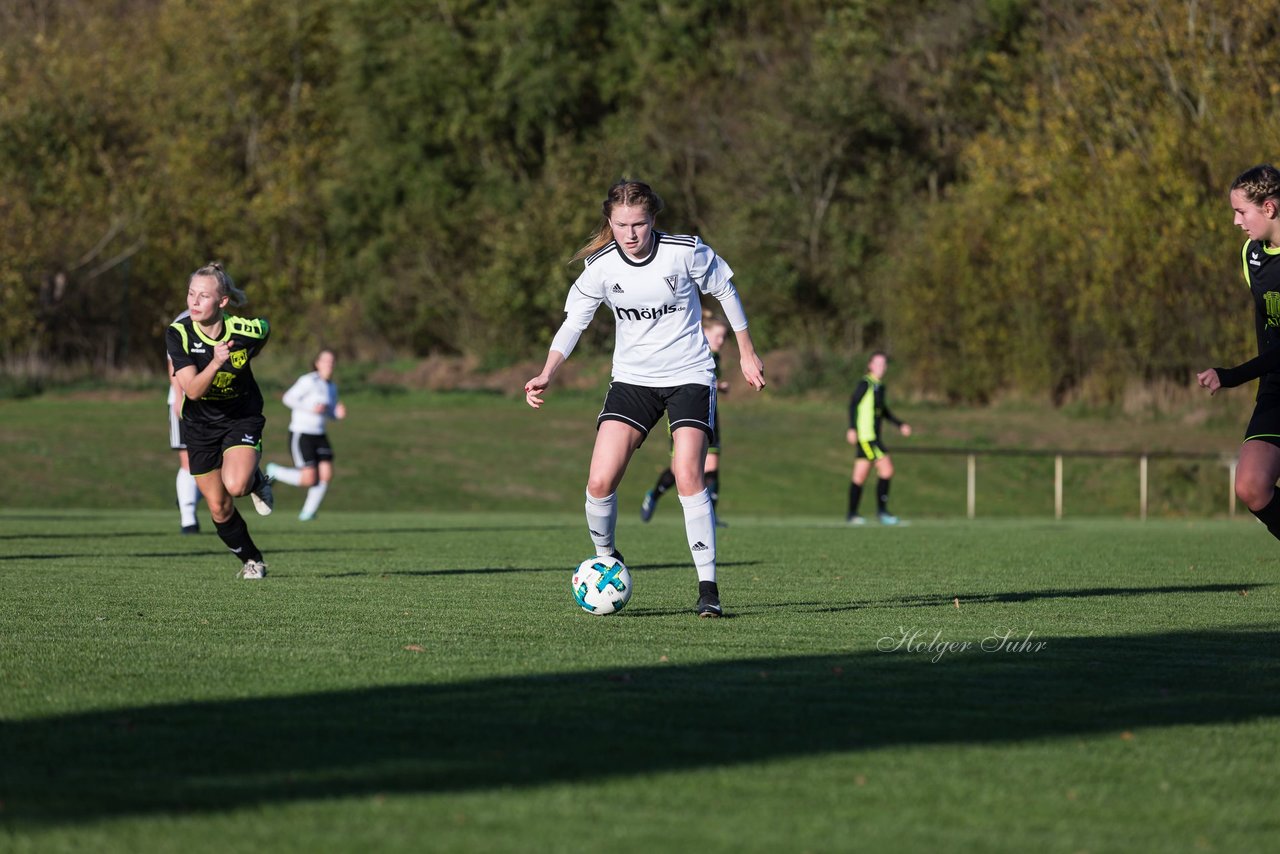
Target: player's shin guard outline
[(602, 520), (700, 527)]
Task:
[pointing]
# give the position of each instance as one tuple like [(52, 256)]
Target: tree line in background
[(1008, 194)]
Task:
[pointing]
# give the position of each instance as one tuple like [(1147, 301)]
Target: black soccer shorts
[(309, 450), (207, 442), (642, 407)]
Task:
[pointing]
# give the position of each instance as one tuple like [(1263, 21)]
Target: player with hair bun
[(222, 420), (652, 281), (1255, 198)]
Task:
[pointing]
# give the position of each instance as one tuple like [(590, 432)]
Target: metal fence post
[(1231, 499), (1142, 487), (972, 491), (1057, 486)]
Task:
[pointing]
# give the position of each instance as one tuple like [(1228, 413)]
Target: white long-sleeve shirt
[(303, 396), (657, 312)]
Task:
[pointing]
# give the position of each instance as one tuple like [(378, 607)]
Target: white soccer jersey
[(302, 398), (658, 340)]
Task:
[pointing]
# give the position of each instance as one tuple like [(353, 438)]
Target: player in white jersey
[(314, 401), (661, 363), (185, 485)]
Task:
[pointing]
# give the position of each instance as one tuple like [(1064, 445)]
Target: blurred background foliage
[(1024, 195)]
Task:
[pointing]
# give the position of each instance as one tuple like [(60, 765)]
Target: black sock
[(882, 495), (855, 495), (1270, 515), (713, 487), (666, 480), (235, 533), (708, 587)]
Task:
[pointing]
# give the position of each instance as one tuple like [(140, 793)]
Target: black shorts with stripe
[(712, 449), (642, 407), (309, 450), (1264, 425), (207, 442), (871, 449)]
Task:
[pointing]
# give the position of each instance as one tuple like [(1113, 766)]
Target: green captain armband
[(256, 328)]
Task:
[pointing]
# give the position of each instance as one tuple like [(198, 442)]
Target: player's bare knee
[(689, 479), (307, 478), (1256, 494), (239, 486), (221, 510), (600, 487)]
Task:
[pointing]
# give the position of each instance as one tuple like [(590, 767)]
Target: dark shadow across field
[(530, 730), (194, 553), (644, 567), (948, 600)]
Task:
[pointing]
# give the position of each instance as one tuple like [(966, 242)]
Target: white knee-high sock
[(700, 527), (314, 496), (284, 474), (602, 518), (188, 495)]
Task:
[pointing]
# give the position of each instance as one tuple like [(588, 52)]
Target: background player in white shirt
[(314, 401), (661, 363), (185, 485)]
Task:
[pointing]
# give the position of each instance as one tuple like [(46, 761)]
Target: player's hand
[(753, 370), (851, 436), (534, 389), (340, 411), (221, 353), (906, 429), (321, 408), (1209, 379)]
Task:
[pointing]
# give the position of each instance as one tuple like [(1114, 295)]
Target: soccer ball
[(601, 585)]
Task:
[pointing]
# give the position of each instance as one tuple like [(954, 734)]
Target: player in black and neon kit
[(867, 409), (1255, 198), (222, 418), (716, 331)]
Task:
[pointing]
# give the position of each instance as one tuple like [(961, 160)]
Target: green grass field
[(420, 678)]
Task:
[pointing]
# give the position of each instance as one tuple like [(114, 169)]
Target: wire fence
[(1142, 458)]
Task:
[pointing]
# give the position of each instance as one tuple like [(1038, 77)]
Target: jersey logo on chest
[(1271, 301)]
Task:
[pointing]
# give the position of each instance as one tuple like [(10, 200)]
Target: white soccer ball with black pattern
[(601, 585)]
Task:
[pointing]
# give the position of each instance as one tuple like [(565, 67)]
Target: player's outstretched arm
[(536, 387), (752, 366)]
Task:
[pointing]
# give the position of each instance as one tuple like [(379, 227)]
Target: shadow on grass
[(493, 570), (309, 531), (100, 535), (530, 730), (196, 553), (936, 601), (949, 599)]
